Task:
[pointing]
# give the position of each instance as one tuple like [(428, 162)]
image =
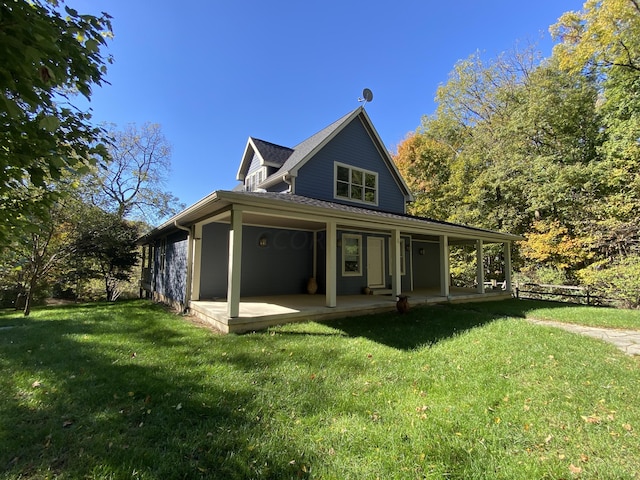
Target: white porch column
[(197, 258), (444, 266), (331, 255), (507, 266), (235, 264), (479, 266), (396, 278)]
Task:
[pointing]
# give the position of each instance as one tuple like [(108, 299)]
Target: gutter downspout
[(187, 293), (289, 180)]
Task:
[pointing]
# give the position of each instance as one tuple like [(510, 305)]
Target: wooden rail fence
[(568, 293)]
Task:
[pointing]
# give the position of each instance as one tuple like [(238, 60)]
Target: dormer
[(345, 162), (260, 160)]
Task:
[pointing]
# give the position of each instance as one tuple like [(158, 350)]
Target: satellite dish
[(367, 96)]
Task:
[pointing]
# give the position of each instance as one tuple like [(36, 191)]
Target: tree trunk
[(28, 297)]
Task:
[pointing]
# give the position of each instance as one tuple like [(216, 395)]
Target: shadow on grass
[(421, 326), (84, 395), (427, 325), (77, 402)]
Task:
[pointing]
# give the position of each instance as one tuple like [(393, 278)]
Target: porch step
[(381, 291)]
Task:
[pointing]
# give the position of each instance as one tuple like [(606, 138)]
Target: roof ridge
[(270, 143)]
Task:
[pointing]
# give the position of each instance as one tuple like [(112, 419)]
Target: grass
[(130, 391), (561, 312)]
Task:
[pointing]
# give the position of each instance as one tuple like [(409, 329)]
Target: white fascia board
[(385, 153), (250, 150), (246, 157), (198, 209), (274, 207), (294, 171)]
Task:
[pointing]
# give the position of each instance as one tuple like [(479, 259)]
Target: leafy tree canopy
[(47, 56)]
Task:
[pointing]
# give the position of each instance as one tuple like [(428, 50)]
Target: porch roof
[(291, 211)]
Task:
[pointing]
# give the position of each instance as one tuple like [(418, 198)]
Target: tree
[(604, 35), (425, 163), (46, 57), (132, 184), (107, 244), (34, 254)]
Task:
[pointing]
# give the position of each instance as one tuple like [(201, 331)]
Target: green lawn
[(468, 391)]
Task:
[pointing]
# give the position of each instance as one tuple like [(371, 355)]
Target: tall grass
[(131, 391)]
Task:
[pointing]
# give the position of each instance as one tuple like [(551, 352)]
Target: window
[(253, 180), (355, 184), (351, 255)]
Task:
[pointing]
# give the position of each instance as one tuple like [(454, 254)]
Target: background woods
[(544, 147), (547, 148)]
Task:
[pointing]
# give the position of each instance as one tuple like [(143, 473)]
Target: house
[(326, 216)]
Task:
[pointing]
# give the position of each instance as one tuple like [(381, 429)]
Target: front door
[(375, 262)]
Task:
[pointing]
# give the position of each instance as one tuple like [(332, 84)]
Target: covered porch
[(256, 313)]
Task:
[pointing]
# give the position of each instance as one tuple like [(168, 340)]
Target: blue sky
[(212, 73)]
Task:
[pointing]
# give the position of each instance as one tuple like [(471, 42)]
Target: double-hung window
[(356, 184), (255, 179), (351, 255)]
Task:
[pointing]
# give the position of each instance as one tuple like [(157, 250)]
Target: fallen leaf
[(584, 458), (179, 406), (627, 427), (67, 423), (575, 470), (36, 384), (591, 419)]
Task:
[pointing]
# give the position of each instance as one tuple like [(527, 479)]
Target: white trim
[(403, 256), (479, 266), (389, 159), (396, 250), (220, 201), (197, 261), (444, 266), (235, 264), (331, 258), (364, 172), (380, 260), (254, 179), (346, 273)]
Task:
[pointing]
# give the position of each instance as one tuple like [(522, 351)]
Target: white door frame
[(375, 263)]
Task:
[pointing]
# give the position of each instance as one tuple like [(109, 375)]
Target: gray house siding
[(171, 281), (282, 267), (352, 146), (254, 165), (426, 267)]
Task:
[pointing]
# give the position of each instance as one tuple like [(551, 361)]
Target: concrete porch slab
[(257, 313)]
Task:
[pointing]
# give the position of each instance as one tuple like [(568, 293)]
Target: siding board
[(352, 146)]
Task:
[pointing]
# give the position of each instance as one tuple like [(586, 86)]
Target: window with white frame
[(252, 181), (351, 255), (356, 184)]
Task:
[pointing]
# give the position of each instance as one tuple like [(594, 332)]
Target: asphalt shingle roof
[(305, 147), (271, 152), (313, 202)]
